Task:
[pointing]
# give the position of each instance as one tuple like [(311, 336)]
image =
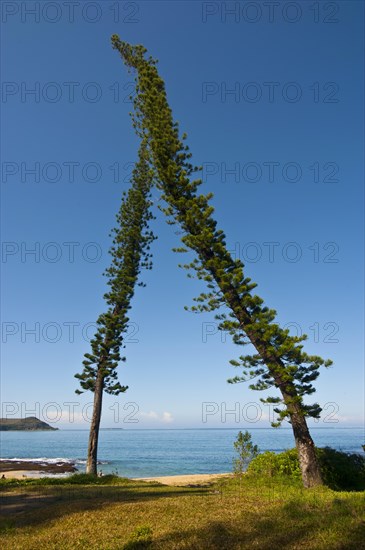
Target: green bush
[(269, 464), (341, 471)]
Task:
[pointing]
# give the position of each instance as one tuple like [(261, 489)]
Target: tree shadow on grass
[(293, 525), (228, 521), (35, 505)]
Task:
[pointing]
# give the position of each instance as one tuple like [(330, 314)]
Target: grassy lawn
[(116, 513)]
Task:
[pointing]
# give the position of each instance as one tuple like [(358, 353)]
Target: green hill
[(31, 423)]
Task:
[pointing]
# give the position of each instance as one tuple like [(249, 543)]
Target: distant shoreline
[(249, 428)]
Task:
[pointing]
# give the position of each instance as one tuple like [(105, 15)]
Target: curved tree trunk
[(309, 465), (91, 465), (311, 473)]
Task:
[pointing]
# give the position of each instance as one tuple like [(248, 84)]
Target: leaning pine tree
[(279, 360), (130, 252)]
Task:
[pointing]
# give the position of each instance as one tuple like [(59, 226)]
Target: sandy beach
[(176, 481), (22, 474), (191, 479)]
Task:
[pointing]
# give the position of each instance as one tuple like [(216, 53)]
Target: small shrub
[(246, 451)]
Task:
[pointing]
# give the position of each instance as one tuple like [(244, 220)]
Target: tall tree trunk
[(92, 452), (309, 465), (131, 241), (311, 472)]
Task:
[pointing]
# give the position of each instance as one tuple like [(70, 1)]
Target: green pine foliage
[(245, 451), (130, 253), (280, 361)]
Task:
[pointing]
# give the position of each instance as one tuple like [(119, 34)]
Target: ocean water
[(144, 453)]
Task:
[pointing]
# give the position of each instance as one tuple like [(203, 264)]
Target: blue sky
[(275, 97)]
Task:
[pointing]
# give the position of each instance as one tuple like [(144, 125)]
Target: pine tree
[(245, 450), (280, 361), (130, 252)]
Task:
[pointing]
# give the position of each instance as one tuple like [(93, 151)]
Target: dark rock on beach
[(49, 468)]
